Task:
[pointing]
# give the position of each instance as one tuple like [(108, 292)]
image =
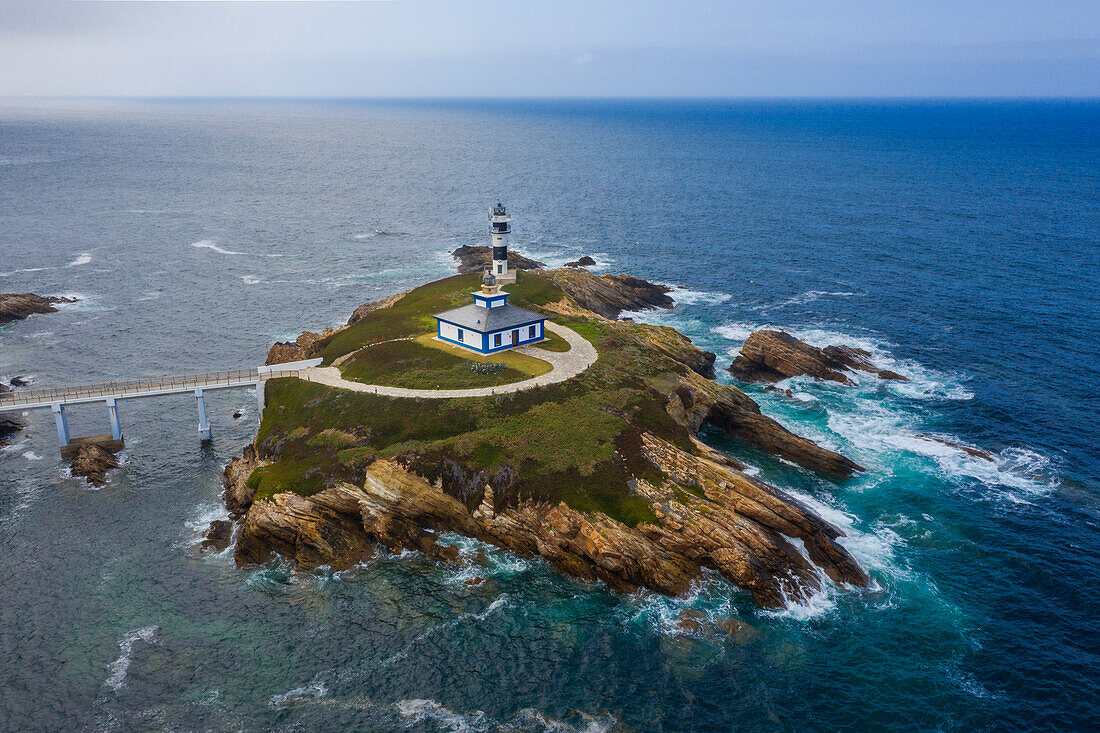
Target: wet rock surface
[(17, 306), (771, 356), (478, 259), (93, 462), (729, 522), (218, 536)]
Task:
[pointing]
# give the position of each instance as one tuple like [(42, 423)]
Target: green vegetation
[(529, 365), (414, 365), (412, 315), (576, 441), (553, 342)]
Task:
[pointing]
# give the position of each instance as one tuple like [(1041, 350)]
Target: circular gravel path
[(565, 365)]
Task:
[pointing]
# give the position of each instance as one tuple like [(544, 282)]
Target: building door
[(515, 337)]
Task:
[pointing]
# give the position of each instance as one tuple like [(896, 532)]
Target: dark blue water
[(957, 241)]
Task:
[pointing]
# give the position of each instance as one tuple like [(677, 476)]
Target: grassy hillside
[(577, 441)]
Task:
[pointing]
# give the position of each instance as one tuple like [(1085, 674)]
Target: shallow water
[(955, 241)]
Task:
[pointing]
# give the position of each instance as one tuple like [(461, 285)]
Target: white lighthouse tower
[(499, 228)]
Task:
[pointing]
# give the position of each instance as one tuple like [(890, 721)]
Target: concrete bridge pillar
[(204, 424), (62, 424), (112, 416)]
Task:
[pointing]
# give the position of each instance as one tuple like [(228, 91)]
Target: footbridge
[(57, 398)]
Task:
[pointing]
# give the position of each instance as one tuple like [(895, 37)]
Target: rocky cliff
[(770, 356), (17, 306), (601, 475)]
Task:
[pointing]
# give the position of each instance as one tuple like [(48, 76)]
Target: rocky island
[(17, 306), (600, 474)]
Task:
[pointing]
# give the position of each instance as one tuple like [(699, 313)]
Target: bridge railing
[(227, 377)]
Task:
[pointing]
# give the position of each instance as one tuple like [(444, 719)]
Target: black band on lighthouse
[(500, 253)]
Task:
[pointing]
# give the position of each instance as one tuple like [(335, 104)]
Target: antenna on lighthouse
[(499, 228)]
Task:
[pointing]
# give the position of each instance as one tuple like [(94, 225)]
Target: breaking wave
[(803, 298), (207, 244), (419, 711), (82, 259), (121, 665)]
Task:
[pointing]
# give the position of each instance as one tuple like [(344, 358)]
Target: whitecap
[(251, 280), (82, 259), (421, 710), (314, 690), (803, 298), (207, 244), (685, 296), (121, 666), (32, 456)]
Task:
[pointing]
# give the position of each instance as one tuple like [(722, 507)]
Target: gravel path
[(566, 365)]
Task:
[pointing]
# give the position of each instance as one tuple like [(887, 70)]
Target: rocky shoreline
[(17, 306), (705, 512), (772, 356)]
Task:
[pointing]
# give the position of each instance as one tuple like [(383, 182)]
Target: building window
[(534, 329), (500, 268), (460, 337), (496, 340)]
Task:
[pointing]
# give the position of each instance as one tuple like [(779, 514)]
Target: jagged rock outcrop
[(238, 494), (770, 356), (93, 461), (218, 536), (284, 352), (585, 261), (610, 295), (479, 259), (723, 520), (374, 305), (676, 346), (17, 306), (728, 408)]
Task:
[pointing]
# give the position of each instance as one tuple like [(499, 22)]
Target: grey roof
[(477, 318)]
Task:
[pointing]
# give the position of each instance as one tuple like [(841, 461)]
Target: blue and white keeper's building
[(490, 324)]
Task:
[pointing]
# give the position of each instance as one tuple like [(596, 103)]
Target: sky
[(550, 48)]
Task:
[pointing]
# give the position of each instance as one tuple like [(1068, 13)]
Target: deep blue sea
[(958, 241)]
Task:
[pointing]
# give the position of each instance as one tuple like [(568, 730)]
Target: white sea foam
[(251, 280), (314, 690), (425, 710), (207, 244), (802, 298), (121, 666), (421, 710), (685, 296), (82, 259), (32, 456)]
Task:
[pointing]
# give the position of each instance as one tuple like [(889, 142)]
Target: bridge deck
[(26, 399)]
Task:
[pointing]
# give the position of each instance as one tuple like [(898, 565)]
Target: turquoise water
[(956, 241)]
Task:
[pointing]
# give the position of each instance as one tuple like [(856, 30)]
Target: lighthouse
[(500, 227)]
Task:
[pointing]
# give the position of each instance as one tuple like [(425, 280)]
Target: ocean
[(955, 240)]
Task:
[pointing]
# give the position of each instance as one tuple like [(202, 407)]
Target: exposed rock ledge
[(17, 306), (610, 295), (93, 462), (729, 522), (479, 259), (770, 356)]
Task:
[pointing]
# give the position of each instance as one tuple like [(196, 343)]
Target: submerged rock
[(17, 306), (93, 461), (976, 452), (771, 356), (480, 258)]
